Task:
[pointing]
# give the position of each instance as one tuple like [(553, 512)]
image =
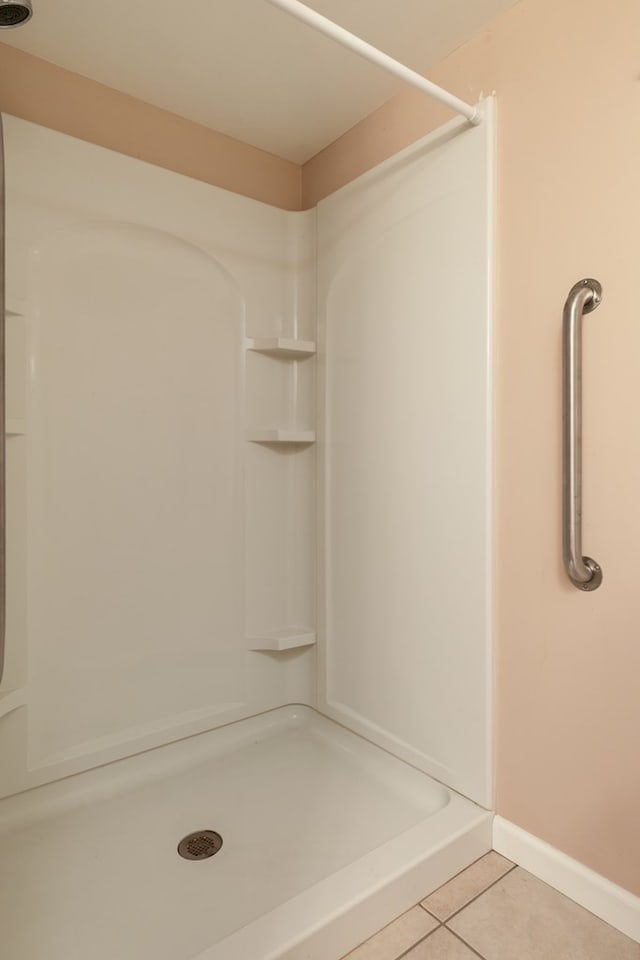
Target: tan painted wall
[(567, 78), (36, 90)]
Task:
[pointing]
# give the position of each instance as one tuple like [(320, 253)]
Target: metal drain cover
[(200, 845)]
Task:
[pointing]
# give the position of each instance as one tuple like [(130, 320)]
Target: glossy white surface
[(134, 478), (151, 544), (314, 821), (281, 640), (405, 439), (281, 436), (146, 537), (282, 347), (246, 69)]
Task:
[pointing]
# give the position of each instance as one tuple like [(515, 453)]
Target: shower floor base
[(325, 839)]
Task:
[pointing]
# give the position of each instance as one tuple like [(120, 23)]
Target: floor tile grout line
[(441, 926), (464, 869), (468, 945), (395, 919), (473, 899), (421, 940), (442, 923), (428, 912), (455, 877), (459, 874)]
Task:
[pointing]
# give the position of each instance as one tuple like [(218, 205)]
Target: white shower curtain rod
[(371, 53)]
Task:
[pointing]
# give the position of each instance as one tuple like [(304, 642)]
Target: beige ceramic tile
[(467, 885), (441, 945), (522, 917), (397, 938)]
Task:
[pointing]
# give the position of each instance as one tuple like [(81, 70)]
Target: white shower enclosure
[(249, 484)]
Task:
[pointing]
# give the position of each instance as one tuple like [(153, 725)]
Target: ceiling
[(244, 67)]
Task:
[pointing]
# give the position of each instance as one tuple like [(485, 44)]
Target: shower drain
[(200, 845)]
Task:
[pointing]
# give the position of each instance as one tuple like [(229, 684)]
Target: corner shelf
[(288, 638), (284, 347), (14, 427), (281, 436)]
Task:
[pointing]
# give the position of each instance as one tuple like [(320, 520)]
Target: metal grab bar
[(585, 296)]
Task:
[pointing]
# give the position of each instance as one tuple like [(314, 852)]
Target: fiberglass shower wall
[(162, 560), (404, 332), (149, 535)]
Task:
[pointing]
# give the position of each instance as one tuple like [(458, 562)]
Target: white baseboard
[(592, 891)]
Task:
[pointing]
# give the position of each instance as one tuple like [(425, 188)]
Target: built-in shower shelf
[(14, 427), (11, 700), (284, 347), (279, 640), (281, 436)]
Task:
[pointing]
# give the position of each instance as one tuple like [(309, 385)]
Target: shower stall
[(249, 560)]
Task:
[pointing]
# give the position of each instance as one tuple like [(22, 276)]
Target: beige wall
[(39, 91), (566, 74)]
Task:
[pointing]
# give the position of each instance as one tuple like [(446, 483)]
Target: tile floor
[(494, 910)]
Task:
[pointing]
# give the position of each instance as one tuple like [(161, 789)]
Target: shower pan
[(246, 450)]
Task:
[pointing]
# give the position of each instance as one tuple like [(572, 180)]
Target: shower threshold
[(325, 838)]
